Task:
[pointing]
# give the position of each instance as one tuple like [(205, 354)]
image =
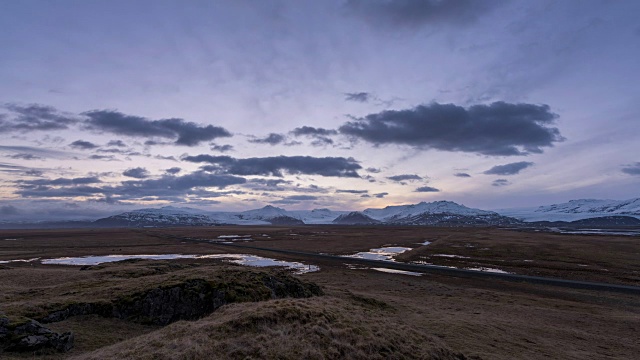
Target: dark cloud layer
[(632, 169), (138, 173), (167, 187), (462, 175), (277, 165), (404, 177), (184, 133), (427, 189), (496, 129), (508, 169), (412, 13)]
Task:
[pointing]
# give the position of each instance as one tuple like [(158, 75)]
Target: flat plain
[(363, 313)]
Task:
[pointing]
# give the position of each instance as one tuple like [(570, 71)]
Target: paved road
[(437, 269)]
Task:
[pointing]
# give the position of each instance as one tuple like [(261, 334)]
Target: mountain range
[(575, 213)]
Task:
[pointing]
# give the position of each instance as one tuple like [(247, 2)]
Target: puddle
[(233, 236), (394, 271), (10, 239), (425, 243), (451, 256), (19, 260), (259, 261), (487, 269), (384, 253), (241, 259), (95, 260)]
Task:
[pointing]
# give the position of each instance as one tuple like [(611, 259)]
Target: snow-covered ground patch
[(383, 253), (394, 271), (19, 260), (241, 259)]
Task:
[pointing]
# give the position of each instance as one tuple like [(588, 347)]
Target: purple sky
[(231, 105)]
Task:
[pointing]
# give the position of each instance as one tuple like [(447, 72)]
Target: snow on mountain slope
[(391, 213), (316, 216), (576, 210)]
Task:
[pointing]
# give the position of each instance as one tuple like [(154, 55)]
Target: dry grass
[(318, 328), (364, 314)]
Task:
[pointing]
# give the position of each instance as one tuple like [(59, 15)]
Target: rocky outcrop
[(31, 336), (191, 299)]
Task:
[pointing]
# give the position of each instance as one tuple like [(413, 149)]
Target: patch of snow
[(451, 256), (394, 271), (384, 253), (19, 260)]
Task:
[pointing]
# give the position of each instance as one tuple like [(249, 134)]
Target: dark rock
[(32, 336), (191, 299)]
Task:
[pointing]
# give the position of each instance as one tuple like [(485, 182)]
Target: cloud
[(496, 129), (427, 189), (276, 165), (357, 97), (103, 157), (312, 131), (632, 169), (24, 156), (508, 169), (301, 197), (462, 175), (373, 170), (320, 135), (118, 143), (166, 187), (404, 177), (184, 133), (173, 170), (381, 195), (500, 182), (34, 117), (6, 210), (84, 145), (415, 13), (60, 181), (271, 139), (221, 148), (138, 173), (352, 191)]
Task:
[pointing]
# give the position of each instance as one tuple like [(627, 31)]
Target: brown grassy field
[(363, 313)]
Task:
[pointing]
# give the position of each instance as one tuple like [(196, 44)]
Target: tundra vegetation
[(209, 308)]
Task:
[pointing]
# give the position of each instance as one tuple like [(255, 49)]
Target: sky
[(107, 106)]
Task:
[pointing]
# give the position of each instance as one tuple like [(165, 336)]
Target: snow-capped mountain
[(394, 213), (167, 216), (577, 210), (439, 213), (317, 216)]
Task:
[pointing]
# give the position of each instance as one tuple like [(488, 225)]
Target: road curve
[(575, 284)]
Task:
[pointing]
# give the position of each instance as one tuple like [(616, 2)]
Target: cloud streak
[(508, 169)]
